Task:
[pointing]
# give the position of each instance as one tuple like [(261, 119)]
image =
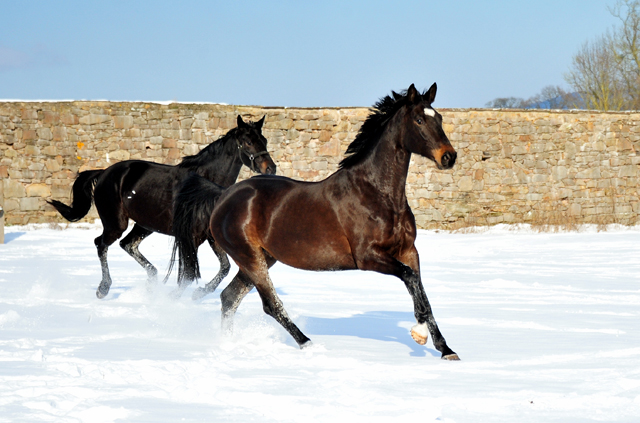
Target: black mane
[(371, 129), (215, 149)]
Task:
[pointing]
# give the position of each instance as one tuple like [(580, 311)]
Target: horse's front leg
[(222, 273), (409, 273)]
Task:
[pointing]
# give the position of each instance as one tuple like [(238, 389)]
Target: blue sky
[(290, 53)]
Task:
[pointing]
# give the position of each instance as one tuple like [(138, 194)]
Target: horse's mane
[(371, 129), (215, 149)]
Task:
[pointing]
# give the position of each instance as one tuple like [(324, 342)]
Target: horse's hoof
[(420, 333), (101, 294), (306, 345), (451, 357), (198, 294)]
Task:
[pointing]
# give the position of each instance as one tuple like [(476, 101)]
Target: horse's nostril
[(271, 170), (449, 158)]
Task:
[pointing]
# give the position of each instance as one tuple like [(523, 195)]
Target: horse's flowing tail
[(192, 210), (82, 196)]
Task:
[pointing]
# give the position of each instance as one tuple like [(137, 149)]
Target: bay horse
[(357, 218), (144, 192)]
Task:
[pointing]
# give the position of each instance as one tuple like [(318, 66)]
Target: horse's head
[(252, 147), (425, 135)]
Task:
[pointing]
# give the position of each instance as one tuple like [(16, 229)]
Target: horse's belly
[(313, 254)]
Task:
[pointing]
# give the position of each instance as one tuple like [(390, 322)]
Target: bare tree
[(507, 103), (596, 76), (553, 97), (550, 97), (626, 44)]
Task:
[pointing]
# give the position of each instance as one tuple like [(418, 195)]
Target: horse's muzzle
[(267, 167)]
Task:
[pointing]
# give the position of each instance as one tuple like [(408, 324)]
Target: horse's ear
[(241, 123), (413, 95), (395, 95), (260, 123), (430, 95)]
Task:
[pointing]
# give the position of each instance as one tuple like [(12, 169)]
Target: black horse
[(144, 192), (357, 218)]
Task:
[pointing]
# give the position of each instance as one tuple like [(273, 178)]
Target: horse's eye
[(419, 121), (249, 142)]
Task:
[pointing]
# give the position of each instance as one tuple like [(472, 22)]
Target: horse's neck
[(224, 168), (387, 167)]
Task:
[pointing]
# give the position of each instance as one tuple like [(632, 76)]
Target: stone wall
[(513, 166)]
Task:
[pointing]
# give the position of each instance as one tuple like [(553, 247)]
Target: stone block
[(38, 190), (69, 119), (190, 149), (29, 204), (169, 143), (13, 189), (173, 154), (93, 119), (29, 134), (59, 133), (465, 183), (628, 171), (52, 165), (44, 133), (11, 204), (593, 173), (119, 155), (29, 114), (559, 172), (123, 122)]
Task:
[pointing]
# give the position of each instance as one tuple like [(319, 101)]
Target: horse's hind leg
[(103, 242), (231, 298), (130, 244), (114, 223), (105, 283), (222, 273), (271, 304)]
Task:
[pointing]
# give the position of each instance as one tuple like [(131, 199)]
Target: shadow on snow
[(378, 325), (8, 237)]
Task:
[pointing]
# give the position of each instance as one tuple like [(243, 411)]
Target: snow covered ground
[(546, 326)]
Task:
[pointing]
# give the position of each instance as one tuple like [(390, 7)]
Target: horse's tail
[(192, 210), (82, 196)]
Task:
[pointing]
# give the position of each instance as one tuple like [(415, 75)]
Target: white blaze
[(429, 112)]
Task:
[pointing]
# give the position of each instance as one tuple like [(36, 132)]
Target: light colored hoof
[(451, 357), (420, 333), (307, 344)]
